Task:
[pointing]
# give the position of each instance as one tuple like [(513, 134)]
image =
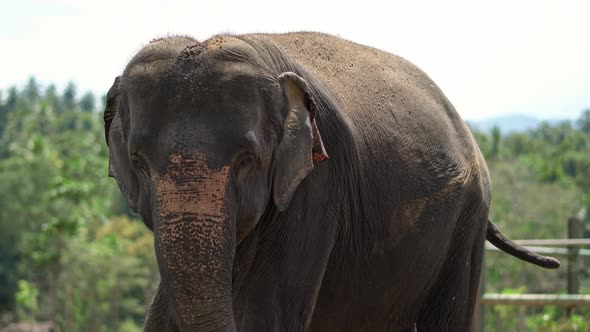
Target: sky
[(490, 58)]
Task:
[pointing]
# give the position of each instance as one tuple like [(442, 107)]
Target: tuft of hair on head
[(191, 52), (160, 53), (170, 37)]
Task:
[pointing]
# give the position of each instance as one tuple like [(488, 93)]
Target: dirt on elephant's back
[(362, 77)]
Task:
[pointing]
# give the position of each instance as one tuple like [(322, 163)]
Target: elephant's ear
[(301, 145), (119, 163), (112, 107)]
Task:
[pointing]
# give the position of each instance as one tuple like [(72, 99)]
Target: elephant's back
[(402, 118), (363, 79)]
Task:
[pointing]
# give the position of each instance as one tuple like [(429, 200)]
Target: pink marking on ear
[(318, 151), (319, 157)]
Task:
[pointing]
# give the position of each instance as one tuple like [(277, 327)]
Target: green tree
[(107, 278), (11, 99), (27, 299), (31, 90), (53, 99), (63, 256), (88, 102), (584, 121), (7, 106), (69, 96), (496, 139), (540, 178)]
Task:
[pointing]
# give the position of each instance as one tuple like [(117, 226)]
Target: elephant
[(300, 182)]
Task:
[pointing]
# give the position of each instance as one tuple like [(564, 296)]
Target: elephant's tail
[(508, 246)]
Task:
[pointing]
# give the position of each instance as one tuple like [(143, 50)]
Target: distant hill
[(510, 123)]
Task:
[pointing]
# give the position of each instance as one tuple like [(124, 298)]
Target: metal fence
[(566, 247)]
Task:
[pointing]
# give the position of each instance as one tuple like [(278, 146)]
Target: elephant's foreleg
[(159, 317), (280, 288)]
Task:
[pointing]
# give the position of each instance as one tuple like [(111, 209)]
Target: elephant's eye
[(245, 162)]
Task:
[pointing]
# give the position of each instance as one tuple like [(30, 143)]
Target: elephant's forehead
[(226, 95)]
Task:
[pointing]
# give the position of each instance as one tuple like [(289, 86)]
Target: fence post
[(574, 230)]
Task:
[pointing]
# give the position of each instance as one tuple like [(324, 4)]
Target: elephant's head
[(203, 139)]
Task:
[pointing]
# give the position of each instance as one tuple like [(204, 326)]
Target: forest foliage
[(71, 251)]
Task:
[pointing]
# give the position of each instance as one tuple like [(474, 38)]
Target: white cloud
[(489, 58)]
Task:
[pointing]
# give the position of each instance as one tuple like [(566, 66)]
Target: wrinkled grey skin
[(222, 147)]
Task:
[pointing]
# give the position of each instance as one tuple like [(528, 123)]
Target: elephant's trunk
[(195, 243)]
